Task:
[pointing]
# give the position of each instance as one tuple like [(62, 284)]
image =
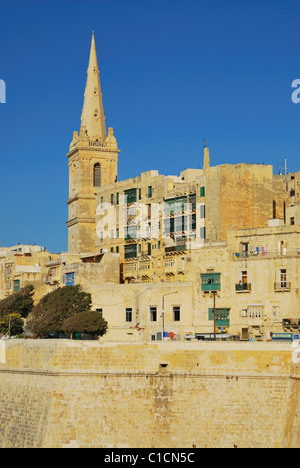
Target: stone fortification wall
[(166, 395)]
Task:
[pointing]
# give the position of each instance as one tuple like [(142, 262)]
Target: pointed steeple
[(92, 117)]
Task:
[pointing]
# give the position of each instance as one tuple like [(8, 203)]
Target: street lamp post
[(163, 312), (214, 294)]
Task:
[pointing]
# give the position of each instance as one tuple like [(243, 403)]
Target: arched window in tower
[(97, 175)]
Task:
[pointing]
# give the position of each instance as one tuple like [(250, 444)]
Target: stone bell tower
[(93, 162)]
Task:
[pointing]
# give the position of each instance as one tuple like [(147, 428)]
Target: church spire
[(93, 118)]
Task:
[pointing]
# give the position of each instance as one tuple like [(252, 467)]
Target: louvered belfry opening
[(97, 175)]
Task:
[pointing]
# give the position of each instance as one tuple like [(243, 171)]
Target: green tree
[(54, 308), (90, 322), (20, 302), (12, 324)]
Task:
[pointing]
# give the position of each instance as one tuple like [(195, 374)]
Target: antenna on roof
[(282, 168)]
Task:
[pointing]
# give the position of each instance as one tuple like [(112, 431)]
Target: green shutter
[(130, 251), (222, 317), (130, 195), (211, 281)]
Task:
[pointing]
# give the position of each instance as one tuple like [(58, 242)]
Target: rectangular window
[(130, 251), (111, 249), (180, 224), (169, 226), (111, 233), (276, 312), (70, 279), (101, 202), (222, 317), (130, 195), (176, 314), (283, 278), (117, 233), (192, 201), (130, 232), (117, 249), (274, 209), (112, 199), (117, 198), (282, 247), (202, 211), (150, 191), (202, 233), (16, 285), (244, 277), (153, 314), (245, 249), (193, 222), (202, 191), (256, 311), (140, 194), (128, 315), (211, 281), (149, 249)]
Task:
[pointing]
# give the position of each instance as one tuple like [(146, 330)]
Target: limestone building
[(212, 250), (229, 228), (176, 211), (22, 265)]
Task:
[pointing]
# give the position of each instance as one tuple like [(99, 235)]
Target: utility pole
[(215, 328)]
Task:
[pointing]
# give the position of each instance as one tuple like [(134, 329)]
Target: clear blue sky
[(173, 72)]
